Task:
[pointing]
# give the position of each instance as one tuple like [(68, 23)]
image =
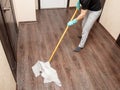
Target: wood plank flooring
[(96, 67)]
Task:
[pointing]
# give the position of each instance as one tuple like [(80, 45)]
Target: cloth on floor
[(47, 72)]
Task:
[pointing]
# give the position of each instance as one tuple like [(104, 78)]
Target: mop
[(44, 69)]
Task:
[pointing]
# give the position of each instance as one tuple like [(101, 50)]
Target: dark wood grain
[(96, 67)]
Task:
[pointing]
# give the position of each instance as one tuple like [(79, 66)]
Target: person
[(90, 11)]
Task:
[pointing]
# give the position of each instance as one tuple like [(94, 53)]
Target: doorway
[(49, 4)]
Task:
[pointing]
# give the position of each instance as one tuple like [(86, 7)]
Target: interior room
[(59, 45)]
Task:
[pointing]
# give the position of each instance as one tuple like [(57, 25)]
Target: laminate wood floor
[(96, 67)]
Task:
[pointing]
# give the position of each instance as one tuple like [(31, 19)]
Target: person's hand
[(72, 22), (78, 5)]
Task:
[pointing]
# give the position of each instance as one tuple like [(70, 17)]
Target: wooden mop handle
[(50, 59)]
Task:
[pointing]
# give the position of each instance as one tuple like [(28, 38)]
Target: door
[(10, 23), (7, 45), (53, 4), (9, 33)]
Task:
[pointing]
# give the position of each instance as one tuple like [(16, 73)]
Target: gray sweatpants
[(87, 24)]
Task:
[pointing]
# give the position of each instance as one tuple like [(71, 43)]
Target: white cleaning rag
[(47, 72)]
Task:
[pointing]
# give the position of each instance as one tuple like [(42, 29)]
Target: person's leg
[(83, 23), (84, 20), (92, 17)]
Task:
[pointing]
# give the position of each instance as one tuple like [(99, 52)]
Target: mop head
[(47, 72)]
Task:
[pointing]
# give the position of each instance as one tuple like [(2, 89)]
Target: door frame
[(68, 3), (7, 26), (7, 46), (14, 17), (118, 40)]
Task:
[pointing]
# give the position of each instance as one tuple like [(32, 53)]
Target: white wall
[(73, 3), (7, 81), (25, 10), (49, 4), (110, 17)]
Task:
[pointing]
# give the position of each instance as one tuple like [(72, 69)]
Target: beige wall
[(110, 17), (7, 81), (73, 3), (36, 4), (25, 10)]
